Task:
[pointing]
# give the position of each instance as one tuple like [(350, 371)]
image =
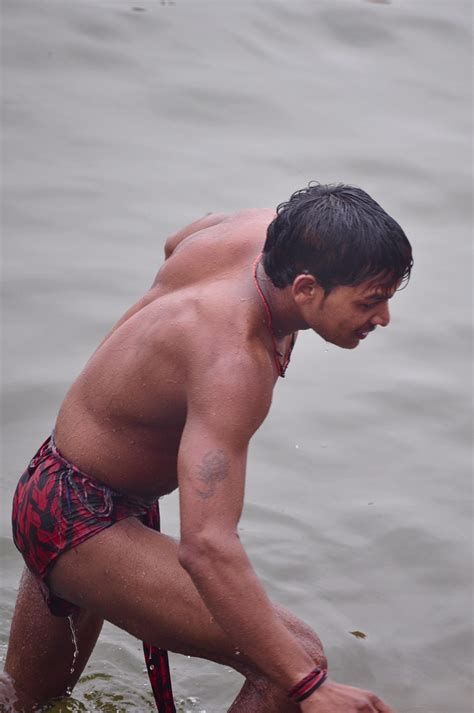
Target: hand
[(335, 698)]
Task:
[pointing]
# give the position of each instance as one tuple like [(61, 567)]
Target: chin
[(349, 346), (341, 342), (343, 345), (352, 344)]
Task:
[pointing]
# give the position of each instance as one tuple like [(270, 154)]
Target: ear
[(305, 288)]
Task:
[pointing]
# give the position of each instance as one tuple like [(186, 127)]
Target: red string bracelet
[(308, 685)]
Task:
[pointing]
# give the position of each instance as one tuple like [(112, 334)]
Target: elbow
[(187, 557), (199, 551)]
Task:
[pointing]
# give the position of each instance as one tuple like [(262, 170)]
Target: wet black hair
[(338, 234)]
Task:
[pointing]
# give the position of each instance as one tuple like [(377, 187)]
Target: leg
[(130, 575), (41, 651)]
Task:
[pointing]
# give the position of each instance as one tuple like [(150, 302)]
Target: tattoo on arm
[(214, 469)]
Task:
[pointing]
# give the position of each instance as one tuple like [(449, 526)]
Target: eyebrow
[(376, 297)]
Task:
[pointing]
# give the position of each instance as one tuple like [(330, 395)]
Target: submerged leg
[(41, 661)]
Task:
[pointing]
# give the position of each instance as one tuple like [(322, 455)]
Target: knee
[(306, 636), (269, 696), (311, 643)]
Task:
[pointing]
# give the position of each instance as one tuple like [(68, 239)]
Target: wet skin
[(172, 398), (123, 418)]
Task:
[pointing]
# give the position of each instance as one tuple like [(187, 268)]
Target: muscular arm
[(224, 410)]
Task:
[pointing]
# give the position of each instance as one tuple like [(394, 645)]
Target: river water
[(122, 121)]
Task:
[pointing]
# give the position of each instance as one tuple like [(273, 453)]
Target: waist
[(127, 457), (49, 451)]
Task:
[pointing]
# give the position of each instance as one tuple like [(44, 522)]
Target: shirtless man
[(171, 398)]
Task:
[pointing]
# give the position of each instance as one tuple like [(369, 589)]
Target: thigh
[(130, 575)]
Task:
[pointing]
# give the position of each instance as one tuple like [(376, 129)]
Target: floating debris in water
[(358, 634)]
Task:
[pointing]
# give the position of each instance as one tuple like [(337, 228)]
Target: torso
[(122, 420)]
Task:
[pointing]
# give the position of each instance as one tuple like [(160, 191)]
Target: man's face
[(348, 314)]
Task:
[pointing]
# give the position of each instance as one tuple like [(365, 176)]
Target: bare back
[(123, 417)]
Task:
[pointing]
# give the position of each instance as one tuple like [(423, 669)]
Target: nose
[(382, 317)]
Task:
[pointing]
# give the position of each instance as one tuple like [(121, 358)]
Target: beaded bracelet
[(308, 685)]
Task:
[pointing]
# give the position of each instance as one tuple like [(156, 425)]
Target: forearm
[(236, 599)]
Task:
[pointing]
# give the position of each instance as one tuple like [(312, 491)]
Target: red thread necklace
[(281, 367)]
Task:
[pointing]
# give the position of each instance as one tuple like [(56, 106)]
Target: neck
[(285, 319)]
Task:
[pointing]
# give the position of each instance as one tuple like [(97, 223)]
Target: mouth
[(362, 333)]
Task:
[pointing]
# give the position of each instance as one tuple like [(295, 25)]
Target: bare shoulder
[(230, 382), (253, 213), (207, 221), (255, 216), (246, 220)]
